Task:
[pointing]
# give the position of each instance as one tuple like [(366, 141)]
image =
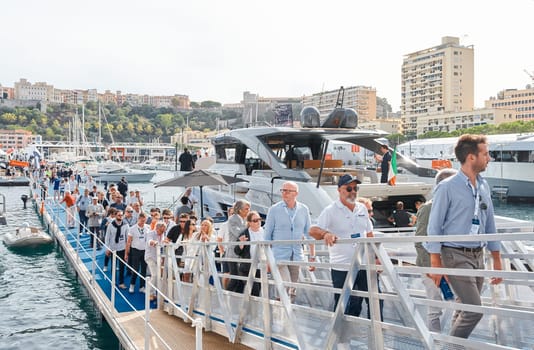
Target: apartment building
[(437, 79), (447, 122), (360, 98), (393, 126), (17, 139), (522, 101)]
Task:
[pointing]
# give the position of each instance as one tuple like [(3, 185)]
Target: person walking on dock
[(289, 220), (95, 213), (82, 203), (237, 223), (135, 251), (70, 204), (122, 186), (423, 258), (462, 204), (154, 240), (345, 218), (116, 235)]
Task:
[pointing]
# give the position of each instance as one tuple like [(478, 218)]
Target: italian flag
[(392, 173)]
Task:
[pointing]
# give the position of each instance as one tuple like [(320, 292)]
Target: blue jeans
[(354, 306)]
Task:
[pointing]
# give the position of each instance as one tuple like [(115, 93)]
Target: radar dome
[(351, 118), (310, 117)]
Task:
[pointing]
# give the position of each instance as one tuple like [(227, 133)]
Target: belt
[(466, 249)]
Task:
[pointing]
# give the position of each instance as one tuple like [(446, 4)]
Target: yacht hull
[(130, 177)]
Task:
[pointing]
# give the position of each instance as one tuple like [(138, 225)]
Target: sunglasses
[(355, 188), (183, 221), (255, 220)]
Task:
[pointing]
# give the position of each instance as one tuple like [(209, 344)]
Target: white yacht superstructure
[(268, 156), (510, 173)]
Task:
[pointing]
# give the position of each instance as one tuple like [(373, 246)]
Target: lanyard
[(291, 218), (476, 195)]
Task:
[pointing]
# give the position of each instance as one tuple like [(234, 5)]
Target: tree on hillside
[(210, 104)]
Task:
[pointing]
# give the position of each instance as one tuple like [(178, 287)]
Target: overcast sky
[(216, 49)]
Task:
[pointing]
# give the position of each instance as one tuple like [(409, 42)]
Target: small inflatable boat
[(26, 236)]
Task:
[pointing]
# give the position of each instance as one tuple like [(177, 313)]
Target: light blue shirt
[(453, 211), (283, 223)]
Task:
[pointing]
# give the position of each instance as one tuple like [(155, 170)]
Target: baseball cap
[(347, 179)]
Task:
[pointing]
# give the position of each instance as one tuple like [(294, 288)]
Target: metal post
[(93, 260), (176, 156), (197, 323), (147, 314), (113, 277)]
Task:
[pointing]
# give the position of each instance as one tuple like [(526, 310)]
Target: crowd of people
[(118, 217)]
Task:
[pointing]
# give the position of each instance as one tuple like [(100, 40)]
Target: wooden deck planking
[(176, 333)]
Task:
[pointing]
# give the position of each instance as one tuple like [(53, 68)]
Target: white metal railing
[(78, 250), (270, 319)]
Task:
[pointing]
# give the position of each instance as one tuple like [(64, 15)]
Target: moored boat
[(510, 174), (268, 156), (114, 172), (26, 236)]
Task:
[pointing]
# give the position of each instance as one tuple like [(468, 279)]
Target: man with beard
[(116, 235), (345, 218), (462, 204)]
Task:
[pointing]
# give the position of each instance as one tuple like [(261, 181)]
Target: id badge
[(475, 227), (354, 235)]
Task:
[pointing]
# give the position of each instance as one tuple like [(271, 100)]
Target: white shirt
[(150, 251), (131, 200), (138, 235), (255, 236), (339, 220)]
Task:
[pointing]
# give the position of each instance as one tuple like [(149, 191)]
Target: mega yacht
[(510, 173), (268, 156)]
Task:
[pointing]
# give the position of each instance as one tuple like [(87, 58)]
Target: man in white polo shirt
[(344, 218)]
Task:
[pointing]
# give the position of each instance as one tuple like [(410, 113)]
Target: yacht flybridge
[(268, 156)]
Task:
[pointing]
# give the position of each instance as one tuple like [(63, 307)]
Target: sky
[(215, 49)]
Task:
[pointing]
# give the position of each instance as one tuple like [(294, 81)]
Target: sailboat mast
[(83, 129), (99, 129)]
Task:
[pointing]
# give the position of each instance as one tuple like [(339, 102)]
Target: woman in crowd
[(253, 233), (236, 224)]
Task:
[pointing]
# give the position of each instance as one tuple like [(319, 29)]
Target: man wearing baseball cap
[(345, 218)]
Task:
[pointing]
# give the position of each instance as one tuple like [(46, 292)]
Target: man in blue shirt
[(289, 220), (462, 205)]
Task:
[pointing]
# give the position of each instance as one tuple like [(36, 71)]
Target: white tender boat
[(113, 172), (26, 236)]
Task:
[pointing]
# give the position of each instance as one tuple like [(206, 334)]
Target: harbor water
[(43, 306)]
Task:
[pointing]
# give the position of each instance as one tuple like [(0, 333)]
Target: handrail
[(80, 249), (399, 289)]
